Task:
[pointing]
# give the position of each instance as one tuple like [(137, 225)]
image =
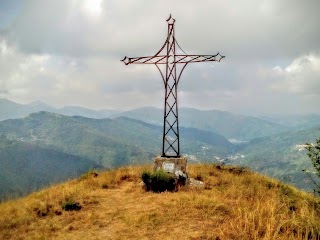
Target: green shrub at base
[(159, 181)]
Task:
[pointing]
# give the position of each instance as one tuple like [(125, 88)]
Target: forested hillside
[(26, 167), (78, 144), (282, 156)]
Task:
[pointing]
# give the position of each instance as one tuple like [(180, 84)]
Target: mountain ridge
[(232, 126), (122, 140), (12, 110), (108, 143), (234, 204)]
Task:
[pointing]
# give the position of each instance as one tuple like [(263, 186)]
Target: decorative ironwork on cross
[(173, 66)]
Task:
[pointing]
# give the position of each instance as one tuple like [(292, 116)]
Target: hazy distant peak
[(37, 103), (44, 114), (6, 101)]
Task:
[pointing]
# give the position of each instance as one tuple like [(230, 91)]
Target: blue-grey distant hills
[(12, 110), (294, 121), (231, 126), (34, 148), (86, 139), (235, 127)]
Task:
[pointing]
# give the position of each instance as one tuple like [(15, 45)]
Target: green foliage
[(314, 156), (159, 181)]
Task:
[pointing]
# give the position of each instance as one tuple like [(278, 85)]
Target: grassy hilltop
[(235, 204)]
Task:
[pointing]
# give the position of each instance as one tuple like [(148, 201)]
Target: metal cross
[(171, 75)]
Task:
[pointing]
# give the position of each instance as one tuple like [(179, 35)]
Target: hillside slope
[(229, 125), (26, 167), (44, 148), (282, 156), (235, 204), (110, 142)]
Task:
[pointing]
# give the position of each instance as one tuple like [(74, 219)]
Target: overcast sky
[(68, 52)]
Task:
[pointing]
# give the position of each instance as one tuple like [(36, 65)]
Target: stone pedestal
[(171, 165), (177, 167)]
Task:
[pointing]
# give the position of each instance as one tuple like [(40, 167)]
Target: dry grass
[(235, 204)]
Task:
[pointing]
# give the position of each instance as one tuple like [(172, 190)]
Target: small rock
[(196, 183)]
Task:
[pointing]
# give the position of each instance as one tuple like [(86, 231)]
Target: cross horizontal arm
[(198, 58), (145, 60), (162, 59)]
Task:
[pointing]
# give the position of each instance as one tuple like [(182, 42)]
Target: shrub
[(314, 155), (159, 181), (70, 205)]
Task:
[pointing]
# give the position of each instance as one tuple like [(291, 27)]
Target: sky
[(68, 52)]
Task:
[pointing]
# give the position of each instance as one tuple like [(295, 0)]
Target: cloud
[(302, 76), (62, 80), (22, 74), (68, 52), (251, 29)]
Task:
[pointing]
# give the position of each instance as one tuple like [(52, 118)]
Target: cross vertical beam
[(171, 75), (170, 140)]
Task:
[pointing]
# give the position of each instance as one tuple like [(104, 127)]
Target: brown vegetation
[(235, 204)]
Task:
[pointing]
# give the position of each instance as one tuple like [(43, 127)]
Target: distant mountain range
[(76, 144), (12, 110), (231, 126), (295, 121), (35, 144), (239, 127)]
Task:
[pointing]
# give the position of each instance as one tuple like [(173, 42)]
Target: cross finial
[(126, 60), (170, 20), (220, 57)]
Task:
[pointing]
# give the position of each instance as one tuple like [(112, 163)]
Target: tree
[(314, 155)]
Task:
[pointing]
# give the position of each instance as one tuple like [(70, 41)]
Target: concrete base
[(171, 165), (178, 167)]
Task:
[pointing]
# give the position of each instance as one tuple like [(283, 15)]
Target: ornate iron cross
[(171, 75)]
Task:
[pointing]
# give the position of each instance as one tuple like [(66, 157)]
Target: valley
[(80, 140)]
